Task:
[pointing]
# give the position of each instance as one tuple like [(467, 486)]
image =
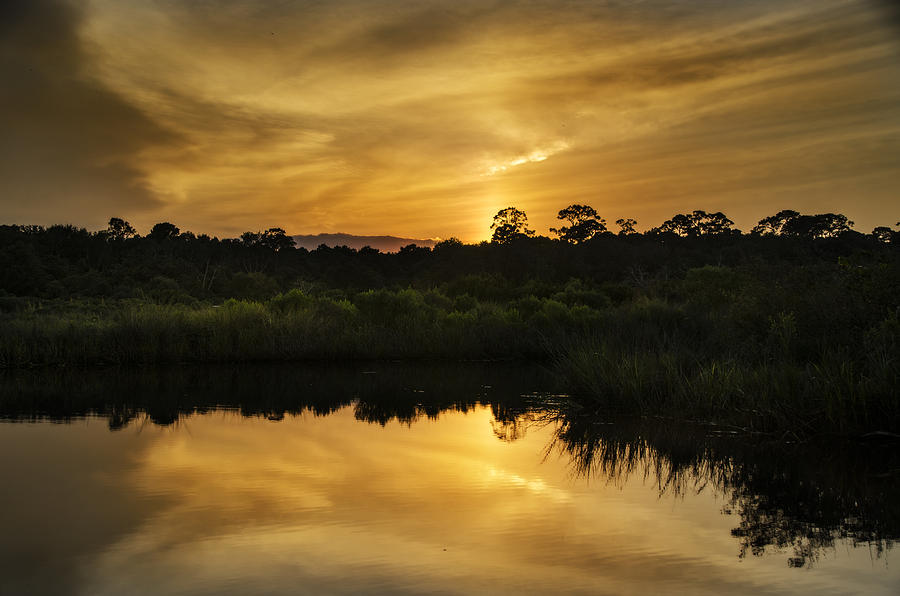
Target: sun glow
[(392, 118)]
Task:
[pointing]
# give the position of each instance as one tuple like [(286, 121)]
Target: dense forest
[(796, 321), (171, 266)]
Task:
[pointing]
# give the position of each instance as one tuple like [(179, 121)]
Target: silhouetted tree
[(163, 231), (413, 249), (584, 223), (251, 238), (119, 229), (450, 243), (274, 239), (714, 224), (883, 234), (698, 223), (510, 224), (626, 226), (680, 225), (773, 225), (822, 225), (65, 261)]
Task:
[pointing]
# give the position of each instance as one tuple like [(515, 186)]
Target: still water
[(471, 479)]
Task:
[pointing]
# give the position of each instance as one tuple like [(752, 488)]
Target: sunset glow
[(407, 118)]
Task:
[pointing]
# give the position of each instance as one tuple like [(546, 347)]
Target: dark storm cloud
[(68, 142)]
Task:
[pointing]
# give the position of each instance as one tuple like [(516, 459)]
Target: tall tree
[(119, 229), (626, 226), (584, 224), (883, 234), (163, 231), (274, 239), (821, 225), (773, 225), (697, 223), (510, 224), (714, 224)]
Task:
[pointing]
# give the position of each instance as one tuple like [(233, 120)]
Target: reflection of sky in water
[(225, 504)]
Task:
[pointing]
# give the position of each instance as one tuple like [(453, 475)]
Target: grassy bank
[(835, 392), (800, 355), (801, 350), (379, 324)]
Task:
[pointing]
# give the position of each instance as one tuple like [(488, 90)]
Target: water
[(396, 480)]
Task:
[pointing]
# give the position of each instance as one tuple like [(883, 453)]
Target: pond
[(391, 479)]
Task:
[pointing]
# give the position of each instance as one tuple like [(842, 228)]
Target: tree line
[(584, 223), (170, 265)]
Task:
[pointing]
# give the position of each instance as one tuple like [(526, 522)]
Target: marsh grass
[(768, 390), (800, 354), (373, 325)]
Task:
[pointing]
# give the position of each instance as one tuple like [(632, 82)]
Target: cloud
[(382, 117), (70, 145), (536, 156)]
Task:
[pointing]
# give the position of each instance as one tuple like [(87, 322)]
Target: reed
[(707, 347)]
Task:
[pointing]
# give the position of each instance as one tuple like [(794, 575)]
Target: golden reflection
[(221, 503), (350, 507)]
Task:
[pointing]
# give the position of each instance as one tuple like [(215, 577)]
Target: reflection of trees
[(795, 498), (165, 395), (805, 501), (801, 498)]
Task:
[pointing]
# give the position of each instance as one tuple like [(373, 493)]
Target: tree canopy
[(274, 239), (772, 225), (822, 225), (791, 223), (626, 226), (697, 223), (119, 229), (163, 231), (584, 224), (510, 224)]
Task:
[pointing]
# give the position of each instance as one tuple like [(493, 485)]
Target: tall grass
[(652, 363), (377, 325), (808, 352)]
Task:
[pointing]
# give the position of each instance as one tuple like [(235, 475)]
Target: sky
[(423, 119)]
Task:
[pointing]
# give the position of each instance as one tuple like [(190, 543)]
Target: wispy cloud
[(386, 117), (538, 155)]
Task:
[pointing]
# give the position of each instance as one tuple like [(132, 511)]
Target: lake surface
[(409, 480)]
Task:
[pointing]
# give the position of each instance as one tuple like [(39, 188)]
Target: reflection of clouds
[(535, 485), (224, 504), (332, 505)]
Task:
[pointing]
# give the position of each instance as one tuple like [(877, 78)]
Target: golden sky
[(423, 119)]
